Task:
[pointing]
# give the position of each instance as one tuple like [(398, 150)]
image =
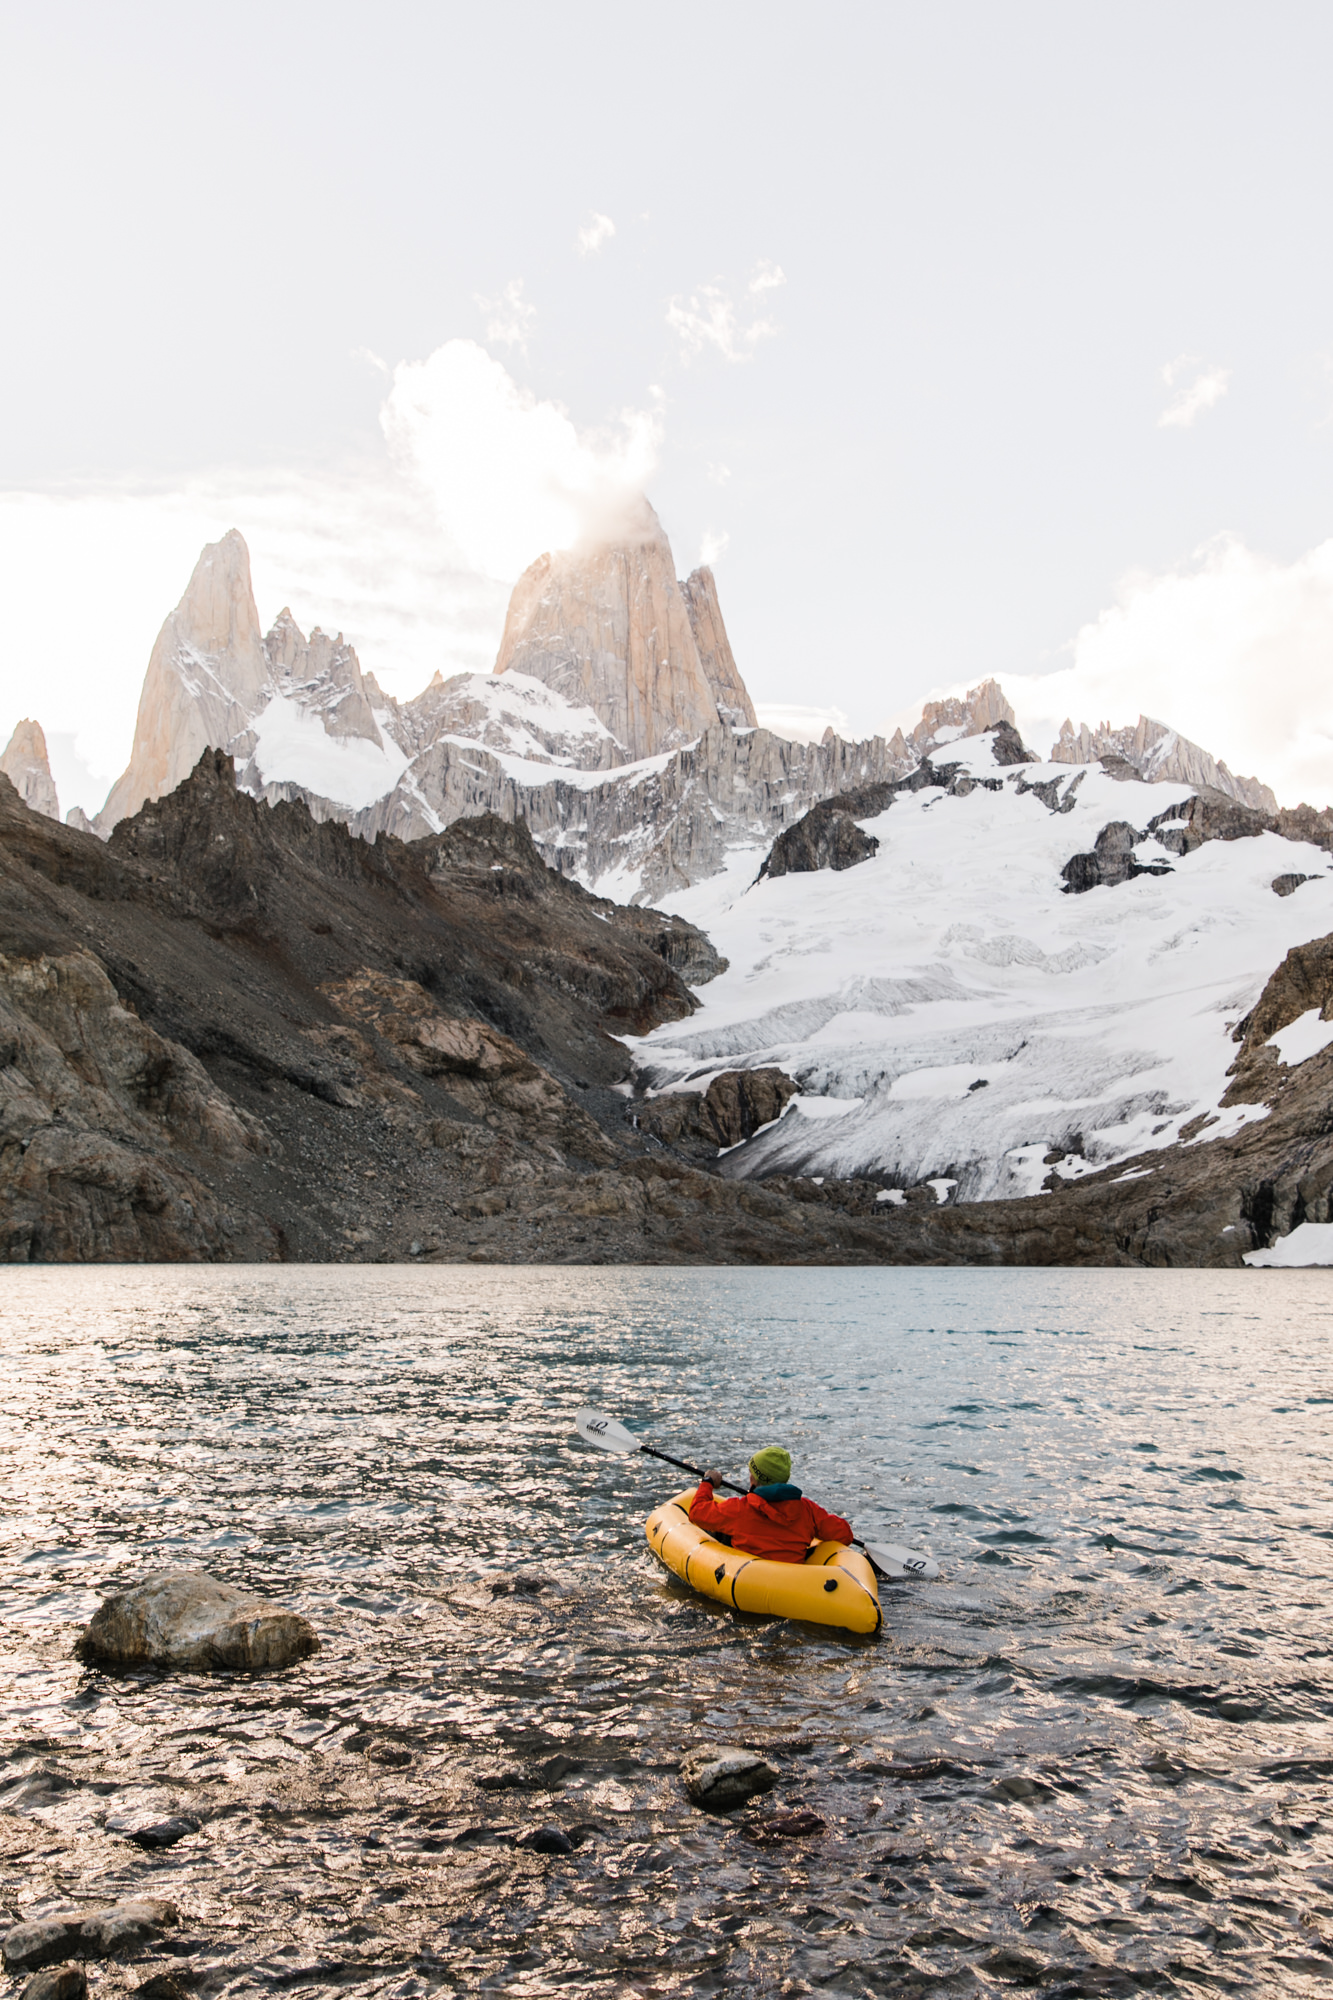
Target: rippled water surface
[(1095, 1758)]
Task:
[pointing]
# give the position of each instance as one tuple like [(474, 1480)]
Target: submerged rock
[(162, 1986), (788, 1826), (182, 1618), (85, 1933), (546, 1840), (145, 1831), (718, 1776), (58, 1982)]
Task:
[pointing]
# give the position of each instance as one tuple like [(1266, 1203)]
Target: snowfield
[(950, 1013)]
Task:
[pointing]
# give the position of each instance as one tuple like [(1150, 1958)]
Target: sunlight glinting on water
[(1100, 1744)]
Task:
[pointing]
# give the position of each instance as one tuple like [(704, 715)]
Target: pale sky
[(964, 339)]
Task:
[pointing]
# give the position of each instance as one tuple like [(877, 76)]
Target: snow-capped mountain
[(25, 763), (1150, 750), (999, 974), (616, 721)]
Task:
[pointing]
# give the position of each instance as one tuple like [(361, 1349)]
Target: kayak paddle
[(608, 1435)]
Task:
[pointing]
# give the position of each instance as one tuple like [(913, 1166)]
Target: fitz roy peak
[(924, 998), (609, 628), (616, 722)]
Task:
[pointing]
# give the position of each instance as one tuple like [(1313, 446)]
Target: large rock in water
[(182, 1618), (718, 1776), (85, 1933)]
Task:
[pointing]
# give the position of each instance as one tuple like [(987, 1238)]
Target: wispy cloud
[(409, 551), (719, 474), (1206, 389), (511, 476), (513, 318), (598, 229), (1231, 649), (710, 318), (714, 545)]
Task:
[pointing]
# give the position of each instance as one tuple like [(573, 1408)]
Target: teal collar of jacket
[(775, 1493)]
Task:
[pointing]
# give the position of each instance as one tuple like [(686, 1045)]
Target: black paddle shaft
[(681, 1466)]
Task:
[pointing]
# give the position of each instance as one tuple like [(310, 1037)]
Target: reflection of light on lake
[(1120, 1686)]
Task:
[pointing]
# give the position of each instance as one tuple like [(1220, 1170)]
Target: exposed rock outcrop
[(1301, 984), (828, 836), (26, 765), (734, 1107), (324, 675), (943, 722), (1159, 754), (182, 1619), (1217, 816), (207, 679), (1111, 861), (719, 662), (608, 628)]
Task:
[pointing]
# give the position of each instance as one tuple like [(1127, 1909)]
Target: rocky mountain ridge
[(616, 723), (232, 1031), (1153, 751), (235, 1032), (995, 977), (25, 763)]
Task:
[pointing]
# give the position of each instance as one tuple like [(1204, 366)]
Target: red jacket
[(781, 1527)]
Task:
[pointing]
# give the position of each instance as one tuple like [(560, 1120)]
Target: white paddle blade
[(904, 1563), (603, 1431)]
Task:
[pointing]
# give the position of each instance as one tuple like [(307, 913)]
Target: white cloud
[(719, 474), (709, 318), (1206, 390), (713, 546), (409, 553), (352, 549), (513, 318), (598, 229), (87, 575), (800, 724), (510, 476), (1232, 650)]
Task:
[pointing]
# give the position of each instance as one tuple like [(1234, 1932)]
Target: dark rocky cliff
[(235, 1033)]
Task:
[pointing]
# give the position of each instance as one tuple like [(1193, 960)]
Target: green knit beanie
[(771, 1466)]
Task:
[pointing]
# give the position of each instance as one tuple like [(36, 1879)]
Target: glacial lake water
[(1095, 1757)]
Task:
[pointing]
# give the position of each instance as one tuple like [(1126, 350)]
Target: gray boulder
[(718, 1776), (182, 1618), (58, 1982), (85, 1934)]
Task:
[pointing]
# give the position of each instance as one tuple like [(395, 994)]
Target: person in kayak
[(774, 1519)]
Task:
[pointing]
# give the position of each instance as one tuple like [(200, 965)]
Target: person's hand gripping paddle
[(608, 1435)]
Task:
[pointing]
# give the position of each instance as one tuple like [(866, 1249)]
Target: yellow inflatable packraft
[(835, 1585)]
